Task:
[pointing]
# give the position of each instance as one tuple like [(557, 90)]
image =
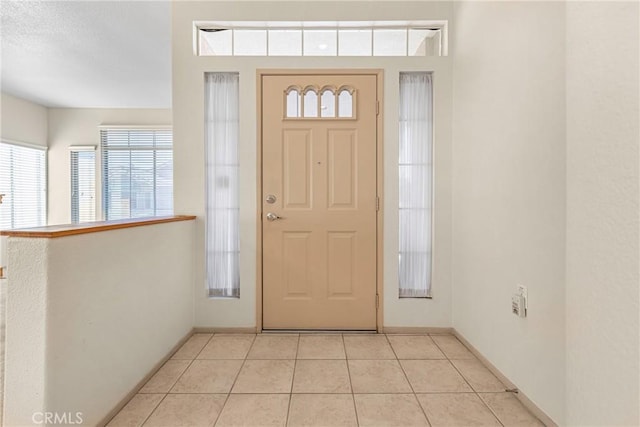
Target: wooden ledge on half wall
[(53, 231)]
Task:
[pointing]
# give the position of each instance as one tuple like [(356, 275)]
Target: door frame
[(379, 73)]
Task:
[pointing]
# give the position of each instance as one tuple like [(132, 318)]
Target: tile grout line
[(174, 383), (353, 395), (205, 344), (293, 378), (227, 395), (448, 359), (451, 361), (150, 413), (188, 366), (415, 396), (324, 392), (473, 390), (490, 409), (180, 376), (234, 381)]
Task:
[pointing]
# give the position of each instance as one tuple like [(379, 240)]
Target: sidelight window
[(415, 167), (222, 165)]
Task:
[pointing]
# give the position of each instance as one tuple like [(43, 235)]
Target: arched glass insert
[(328, 103), (310, 103), (293, 103), (345, 104)]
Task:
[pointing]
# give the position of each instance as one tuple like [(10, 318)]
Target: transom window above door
[(311, 38), (312, 102)]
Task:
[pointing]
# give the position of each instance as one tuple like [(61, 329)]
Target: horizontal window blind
[(137, 172), (23, 182), (83, 185)]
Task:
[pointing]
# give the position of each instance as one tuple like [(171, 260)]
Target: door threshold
[(318, 331)]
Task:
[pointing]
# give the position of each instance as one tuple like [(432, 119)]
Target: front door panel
[(319, 244)]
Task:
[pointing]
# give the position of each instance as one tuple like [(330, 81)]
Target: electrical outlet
[(517, 306), (519, 301), (522, 290)]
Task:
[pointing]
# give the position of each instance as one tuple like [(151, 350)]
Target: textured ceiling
[(87, 53)]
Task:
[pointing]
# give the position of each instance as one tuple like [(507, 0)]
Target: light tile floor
[(323, 380)]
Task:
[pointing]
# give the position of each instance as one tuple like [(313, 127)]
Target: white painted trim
[(82, 148), (134, 127), (24, 144), (205, 330), (410, 330), (319, 25)]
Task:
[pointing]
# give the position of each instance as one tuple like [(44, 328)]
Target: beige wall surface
[(88, 316), (22, 121), (603, 258), (80, 126), (536, 183), (509, 189), (188, 122)]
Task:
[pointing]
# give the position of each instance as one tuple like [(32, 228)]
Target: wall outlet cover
[(522, 290), (517, 306)]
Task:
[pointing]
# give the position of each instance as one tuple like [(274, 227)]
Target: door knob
[(272, 217)]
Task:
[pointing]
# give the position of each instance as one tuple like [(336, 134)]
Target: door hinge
[(377, 107), (377, 204), (377, 301)]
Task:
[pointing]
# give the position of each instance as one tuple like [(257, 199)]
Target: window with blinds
[(137, 172), (83, 184), (23, 184)]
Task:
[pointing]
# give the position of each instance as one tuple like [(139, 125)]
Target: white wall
[(188, 123), (25, 355), (603, 334), (91, 316), (79, 126), (25, 122), (22, 121), (509, 189), (59, 128)]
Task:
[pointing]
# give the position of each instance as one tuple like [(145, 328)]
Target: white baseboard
[(207, 330), (416, 330)]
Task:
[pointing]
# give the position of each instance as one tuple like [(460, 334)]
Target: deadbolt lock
[(271, 199)]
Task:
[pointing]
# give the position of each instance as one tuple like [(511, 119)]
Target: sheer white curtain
[(416, 184), (221, 134)]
